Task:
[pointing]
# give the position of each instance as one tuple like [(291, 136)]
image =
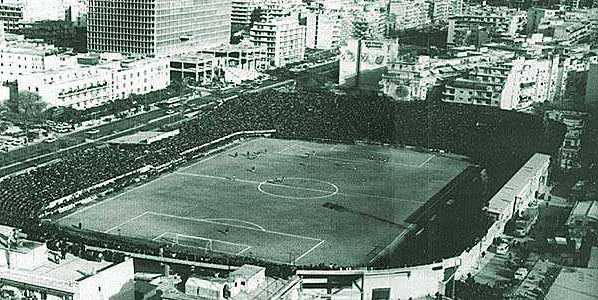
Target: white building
[(514, 85), (516, 195), (241, 11), (85, 86), (325, 29), (283, 38), (14, 12), (157, 27), (409, 14), (411, 78), (35, 271), (493, 22), (20, 57)]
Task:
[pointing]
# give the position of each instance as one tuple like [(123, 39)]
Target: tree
[(26, 107)]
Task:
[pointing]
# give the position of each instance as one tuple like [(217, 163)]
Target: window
[(381, 294)]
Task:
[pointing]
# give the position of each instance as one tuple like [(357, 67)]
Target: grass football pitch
[(286, 201)]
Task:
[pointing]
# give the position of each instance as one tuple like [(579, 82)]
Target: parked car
[(502, 249), (520, 274)]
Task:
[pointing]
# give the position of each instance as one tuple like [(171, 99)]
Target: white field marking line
[(255, 182), (353, 161), (113, 197), (309, 251), (152, 181), (287, 148), (426, 161), (245, 247), (236, 226), (126, 222), (301, 188), (201, 238), (383, 249), (333, 148), (243, 251), (237, 220)]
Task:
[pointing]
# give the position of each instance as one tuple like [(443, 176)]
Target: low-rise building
[(283, 38), (19, 57), (582, 220), (196, 66), (574, 283), (87, 85), (516, 195), (245, 56), (40, 273)]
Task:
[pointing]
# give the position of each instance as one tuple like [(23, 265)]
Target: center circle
[(291, 185)]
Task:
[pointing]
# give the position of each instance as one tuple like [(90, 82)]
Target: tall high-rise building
[(157, 27), (591, 86)]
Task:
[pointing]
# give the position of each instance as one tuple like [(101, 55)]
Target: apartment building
[(513, 85), (157, 27), (16, 12), (283, 38), (569, 152), (409, 14), (411, 78), (325, 29), (21, 57), (241, 11), (493, 23), (87, 85)]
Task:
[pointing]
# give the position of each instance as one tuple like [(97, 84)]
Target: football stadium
[(352, 193), (286, 201)]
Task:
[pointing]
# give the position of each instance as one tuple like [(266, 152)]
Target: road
[(37, 154)]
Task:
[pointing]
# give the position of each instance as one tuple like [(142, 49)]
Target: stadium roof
[(505, 198), (575, 283), (143, 137)]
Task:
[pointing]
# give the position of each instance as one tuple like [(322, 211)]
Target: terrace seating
[(487, 135)]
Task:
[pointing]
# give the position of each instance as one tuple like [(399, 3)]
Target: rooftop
[(505, 198), (575, 283), (247, 271), (62, 277), (584, 209), (143, 137)]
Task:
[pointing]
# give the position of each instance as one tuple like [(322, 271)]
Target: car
[(502, 248), (520, 274), (170, 111), (50, 140)]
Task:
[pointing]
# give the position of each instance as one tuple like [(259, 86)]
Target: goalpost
[(192, 241)]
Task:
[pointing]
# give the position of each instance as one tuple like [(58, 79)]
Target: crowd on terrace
[(486, 135)]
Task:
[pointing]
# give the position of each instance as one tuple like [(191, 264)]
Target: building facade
[(513, 85), (283, 38), (85, 86), (157, 27), (409, 14), (15, 12), (325, 29), (19, 58)]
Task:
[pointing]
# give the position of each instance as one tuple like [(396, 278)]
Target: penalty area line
[(309, 251)]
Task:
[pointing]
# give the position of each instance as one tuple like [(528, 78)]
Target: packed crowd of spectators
[(488, 136)]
